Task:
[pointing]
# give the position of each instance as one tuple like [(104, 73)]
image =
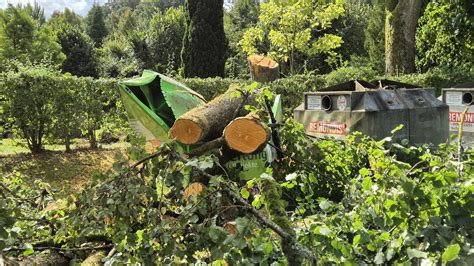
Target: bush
[(293, 88)]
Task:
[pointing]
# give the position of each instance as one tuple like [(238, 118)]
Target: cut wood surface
[(246, 134), (263, 69), (207, 122)]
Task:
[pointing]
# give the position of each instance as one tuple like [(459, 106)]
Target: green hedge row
[(292, 88), (45, 105)]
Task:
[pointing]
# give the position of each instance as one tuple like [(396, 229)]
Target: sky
[(81, 7)]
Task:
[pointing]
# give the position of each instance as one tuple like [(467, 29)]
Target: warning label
[(328, 128), (455, 120)]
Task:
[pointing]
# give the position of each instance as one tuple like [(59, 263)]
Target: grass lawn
[(65, 172)]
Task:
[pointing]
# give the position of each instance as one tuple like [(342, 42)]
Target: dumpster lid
[(391, 84), (352, 85)]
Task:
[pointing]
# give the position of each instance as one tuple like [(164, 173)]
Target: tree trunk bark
[(67, 143), (207, 122), (400, 27), (92, 139), (246, 134)]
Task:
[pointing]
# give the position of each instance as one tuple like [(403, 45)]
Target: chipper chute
[(154, 101)]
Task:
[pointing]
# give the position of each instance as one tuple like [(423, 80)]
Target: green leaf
[(356, 240), (291, 176), (379, 258), (324, 205), (367, 183), (451, 253), (415, 253), (28, 250), (267, 248), (245, 193)]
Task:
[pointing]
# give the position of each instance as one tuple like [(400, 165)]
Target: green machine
[(154, 101)]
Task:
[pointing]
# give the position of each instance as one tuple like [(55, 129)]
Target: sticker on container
[(327, 128), (453, 97), (455, 121), (341, 103), (313, 102)]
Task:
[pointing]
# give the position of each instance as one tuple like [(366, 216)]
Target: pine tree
[(205, 44), (96, 25)]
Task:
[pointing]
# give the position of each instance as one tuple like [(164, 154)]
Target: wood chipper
[(375, 109), (154, 102)]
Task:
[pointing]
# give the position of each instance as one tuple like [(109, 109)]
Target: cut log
[(246, 134), (263, 69), (207, 122)]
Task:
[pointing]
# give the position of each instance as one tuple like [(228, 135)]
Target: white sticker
[(453, 97), (313, 102), (341, 103)]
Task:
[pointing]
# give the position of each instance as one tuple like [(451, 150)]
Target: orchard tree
[(445, 35), (205, 44), (294, 27), (400, 27), (96, 25)]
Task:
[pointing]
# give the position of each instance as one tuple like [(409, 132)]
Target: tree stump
[(263, 69)]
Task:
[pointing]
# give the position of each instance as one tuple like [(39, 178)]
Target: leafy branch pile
[(356, 201)]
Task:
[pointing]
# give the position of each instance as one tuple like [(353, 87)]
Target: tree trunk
[(263, 69), (246, 134), (92, 139), (67, 143), (400, 27), (207, 122)]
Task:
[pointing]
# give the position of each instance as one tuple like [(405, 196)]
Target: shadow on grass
[(65, 172)]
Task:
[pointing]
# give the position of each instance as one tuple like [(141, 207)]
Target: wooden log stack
[(224, 121)]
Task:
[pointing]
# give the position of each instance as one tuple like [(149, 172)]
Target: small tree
[(292, 28), (29, 99), (205, 45), (96, 25), (67, 106), (79, 50)]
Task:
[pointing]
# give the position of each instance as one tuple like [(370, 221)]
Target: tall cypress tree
[(204, 44), (96, 25)]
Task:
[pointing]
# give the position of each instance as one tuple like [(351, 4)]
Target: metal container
[(375, 110), (460, 100)]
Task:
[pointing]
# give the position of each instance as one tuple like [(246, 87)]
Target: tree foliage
[(445, 35), (375, 37), (293, 28), (205, 45), (81, 59), (96, 25), (24, 40)]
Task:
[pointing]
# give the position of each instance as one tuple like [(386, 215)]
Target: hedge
[(46, 105), (292, 88)]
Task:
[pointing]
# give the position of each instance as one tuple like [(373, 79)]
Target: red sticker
[(329, 128)]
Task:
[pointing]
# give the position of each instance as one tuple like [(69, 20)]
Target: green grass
[(65, 172)]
